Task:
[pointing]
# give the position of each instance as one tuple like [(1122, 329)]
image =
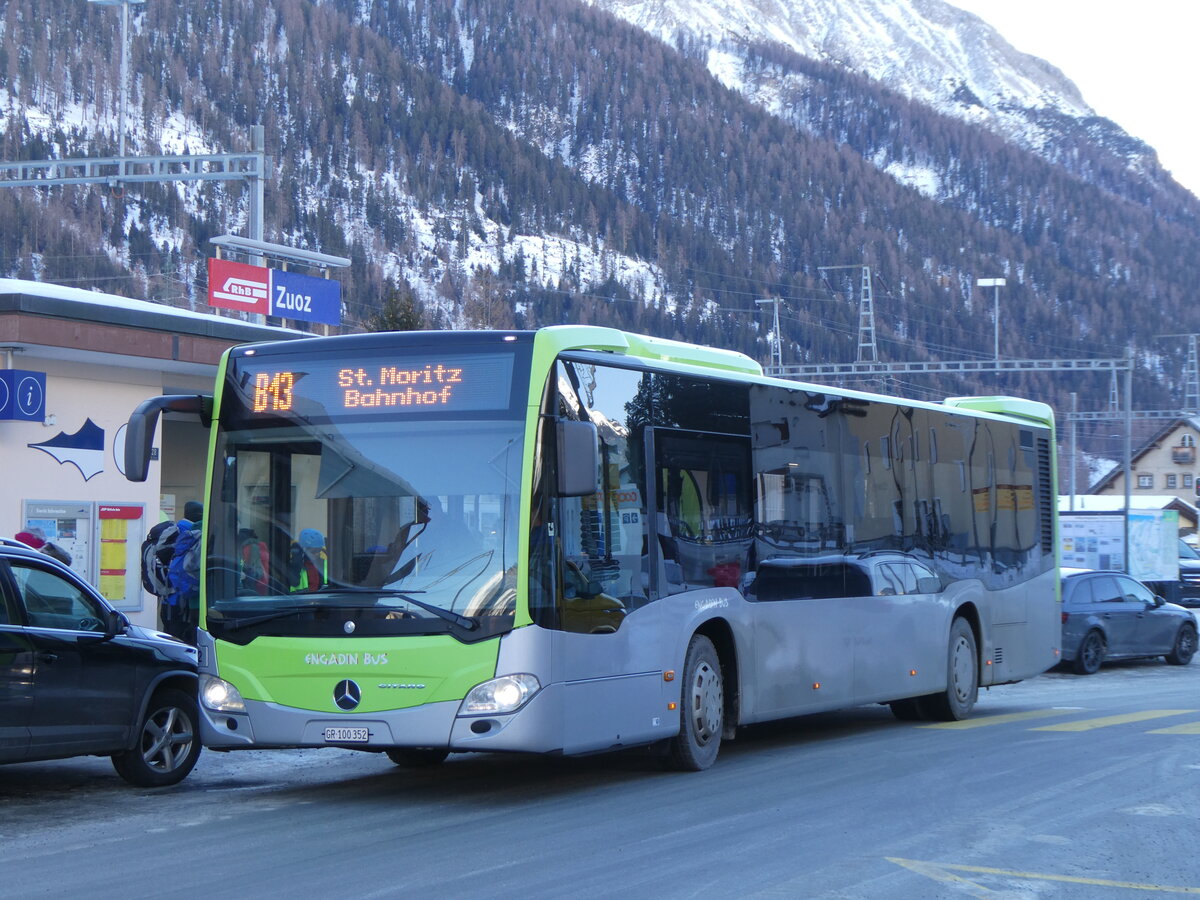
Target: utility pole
[(1074, 447), (868, 350), (124, 4), (1191, 374), (776, 340), (995, 283)]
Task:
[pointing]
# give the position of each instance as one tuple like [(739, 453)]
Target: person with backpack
[(308, 562), (183, 576), (157, 550), (255, 563)]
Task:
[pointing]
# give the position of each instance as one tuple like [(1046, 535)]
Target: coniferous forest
[(527, 162)]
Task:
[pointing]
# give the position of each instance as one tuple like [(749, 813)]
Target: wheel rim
[(963, 669), (707, 703), (1187, 642), (1091, 651), (167, 739)]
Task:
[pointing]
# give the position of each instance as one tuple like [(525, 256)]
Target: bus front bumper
[(536, 727)]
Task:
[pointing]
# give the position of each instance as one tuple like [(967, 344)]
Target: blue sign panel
[(303, 297), (22, 395)]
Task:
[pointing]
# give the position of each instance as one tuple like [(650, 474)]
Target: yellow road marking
[(1186, 728), (1089, 724), (999, 720), (936, 872), (928, 868)]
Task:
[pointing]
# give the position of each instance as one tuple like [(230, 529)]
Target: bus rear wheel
[(962, 678), (417, 757), (702, 709)]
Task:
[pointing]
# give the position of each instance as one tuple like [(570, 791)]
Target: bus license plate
[(347, 735)]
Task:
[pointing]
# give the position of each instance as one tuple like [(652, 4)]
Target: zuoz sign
[(273, 292)]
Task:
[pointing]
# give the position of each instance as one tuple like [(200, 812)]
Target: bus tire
[(168, 742), (701, 709), (417, 757), (962, 678), (1090, 654)]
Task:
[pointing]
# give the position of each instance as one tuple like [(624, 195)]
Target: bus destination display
[(464, 383)]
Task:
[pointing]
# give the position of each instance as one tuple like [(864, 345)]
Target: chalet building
[(1167, 464)]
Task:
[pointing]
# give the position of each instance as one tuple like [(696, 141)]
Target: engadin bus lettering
[(345, 659)]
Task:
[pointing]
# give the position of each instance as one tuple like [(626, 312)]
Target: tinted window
[(1134, 591), (51, 601), (1106, 590), (1079, 592)]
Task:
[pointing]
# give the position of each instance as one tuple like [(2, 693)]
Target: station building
[(73, 366)]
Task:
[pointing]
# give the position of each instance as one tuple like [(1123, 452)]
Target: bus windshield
[(328, 523)]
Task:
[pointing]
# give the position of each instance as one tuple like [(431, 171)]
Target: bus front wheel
[(702, 709), (962, 678)]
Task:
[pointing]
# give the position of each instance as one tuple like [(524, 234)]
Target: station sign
[(273, 292), (234, 285), (22, 395), (296, 296)]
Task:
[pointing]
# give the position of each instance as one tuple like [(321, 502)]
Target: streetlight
[(996, 283), (124, 4)]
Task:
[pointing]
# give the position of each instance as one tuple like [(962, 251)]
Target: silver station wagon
[(1109, 615)]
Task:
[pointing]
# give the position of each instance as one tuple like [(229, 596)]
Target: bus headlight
[(219, 695), (500, 695)]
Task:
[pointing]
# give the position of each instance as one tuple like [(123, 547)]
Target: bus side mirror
[(140, 435), (578, 459)]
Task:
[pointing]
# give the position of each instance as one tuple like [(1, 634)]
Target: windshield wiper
[(235, 623), (467, 623)]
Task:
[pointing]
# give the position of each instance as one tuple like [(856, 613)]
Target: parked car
[(875, 573), (76, 678), (1189, 575), (1109, 615)]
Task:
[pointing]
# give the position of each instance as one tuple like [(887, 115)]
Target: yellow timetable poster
[(117, 564)]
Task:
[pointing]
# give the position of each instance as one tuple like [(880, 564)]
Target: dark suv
[(77, 678)]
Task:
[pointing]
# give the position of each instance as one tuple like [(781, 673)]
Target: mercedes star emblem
[(348, 628), (346, 695)]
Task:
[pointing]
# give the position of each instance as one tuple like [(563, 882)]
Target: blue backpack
[(184, 571)]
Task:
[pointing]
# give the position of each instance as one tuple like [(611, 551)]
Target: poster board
[(104, 540), (1089, 541)]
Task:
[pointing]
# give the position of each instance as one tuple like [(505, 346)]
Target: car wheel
[(962, 678), (1185, 646), (417, 757), (702, 709), (1090, 655), (168, 744)]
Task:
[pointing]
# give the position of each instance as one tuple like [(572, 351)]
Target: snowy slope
[(928, 50)]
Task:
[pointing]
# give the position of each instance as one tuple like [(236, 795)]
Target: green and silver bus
[(575, 539)]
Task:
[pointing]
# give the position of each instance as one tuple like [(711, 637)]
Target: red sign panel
[(234, 285), (120, 512)]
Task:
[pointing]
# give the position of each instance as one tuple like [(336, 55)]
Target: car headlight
[(500, 695), (219, 695)]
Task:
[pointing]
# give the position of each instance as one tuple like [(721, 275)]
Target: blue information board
[(295, 296), (22, 395)]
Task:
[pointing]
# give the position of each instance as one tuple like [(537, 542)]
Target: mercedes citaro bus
[(575, 539)]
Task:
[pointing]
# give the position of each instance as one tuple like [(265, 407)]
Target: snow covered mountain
[(928, 50), (526, 162)]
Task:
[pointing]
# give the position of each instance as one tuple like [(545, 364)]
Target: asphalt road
[(1063, 787)]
